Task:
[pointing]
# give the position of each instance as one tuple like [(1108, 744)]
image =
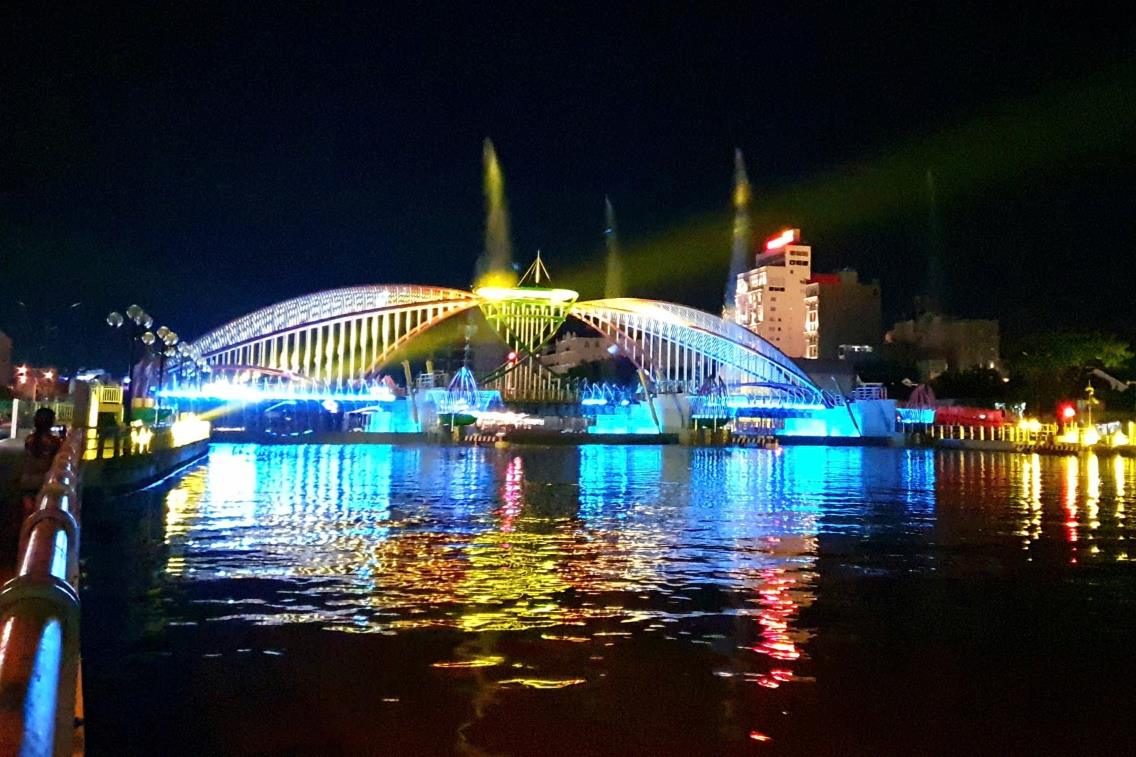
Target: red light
[(512, 357), (1067, 412), (788, 236)]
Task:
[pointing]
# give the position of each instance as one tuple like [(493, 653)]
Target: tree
[(1050, 366)]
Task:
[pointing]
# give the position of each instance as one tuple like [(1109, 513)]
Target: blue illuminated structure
[(332, 345), (259, 392), (916, 415)]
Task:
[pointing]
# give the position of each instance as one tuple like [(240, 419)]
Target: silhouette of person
[(39, 450)]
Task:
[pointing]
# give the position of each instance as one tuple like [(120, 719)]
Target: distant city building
[(843, 317), (770, 299), (941, 343), (806, 315), (571, 351), (5, 359)]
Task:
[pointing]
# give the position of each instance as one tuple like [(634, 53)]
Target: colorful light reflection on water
[(699, 595)]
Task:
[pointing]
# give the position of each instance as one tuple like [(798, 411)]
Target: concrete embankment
[(120, 474)]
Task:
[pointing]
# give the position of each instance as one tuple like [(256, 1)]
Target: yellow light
[(501, 294), (741, 195), (189, 429), (486, 661), (542, 683), (140, 438)]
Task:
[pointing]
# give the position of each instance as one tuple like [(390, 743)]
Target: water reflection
[(551, 566), (400, 538), (388, 540)]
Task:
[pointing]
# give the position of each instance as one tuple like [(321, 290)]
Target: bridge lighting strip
[(500, 294), (244, 393), (740, 402)]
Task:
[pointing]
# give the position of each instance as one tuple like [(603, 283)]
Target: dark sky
[(206, 160)]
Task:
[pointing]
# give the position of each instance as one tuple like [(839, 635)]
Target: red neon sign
[(788, 236)]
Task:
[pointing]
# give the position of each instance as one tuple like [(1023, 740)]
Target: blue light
[(744, 401), (223, 390), (634, 419), (915, 414)]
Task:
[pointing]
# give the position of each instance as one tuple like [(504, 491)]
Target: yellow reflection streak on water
[(1029, 482), (1035, 496), (1118, 474), (477, 662), (542, 683), (1092, 492)]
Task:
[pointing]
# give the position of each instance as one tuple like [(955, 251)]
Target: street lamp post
[(136, 322)]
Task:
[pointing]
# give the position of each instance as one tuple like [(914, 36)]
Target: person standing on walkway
[(39, 450)]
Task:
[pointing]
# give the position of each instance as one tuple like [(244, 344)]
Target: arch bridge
[(341, 336)]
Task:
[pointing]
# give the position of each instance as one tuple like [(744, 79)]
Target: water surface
[(613, 600)]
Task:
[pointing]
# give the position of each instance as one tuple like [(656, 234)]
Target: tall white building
[(770, 299)]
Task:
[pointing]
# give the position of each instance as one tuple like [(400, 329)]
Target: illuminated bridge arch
[(686, 346), (335, 335), (346, 334)]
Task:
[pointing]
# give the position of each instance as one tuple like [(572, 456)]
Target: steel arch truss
[(346, 335), (333, 336), (686, 347)]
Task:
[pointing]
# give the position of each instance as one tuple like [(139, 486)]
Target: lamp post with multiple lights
[(136, 323)]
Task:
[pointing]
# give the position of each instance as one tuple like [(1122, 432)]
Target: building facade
[(941, 343), (770, 298), (806, 315), (843, 316), (570, 351)]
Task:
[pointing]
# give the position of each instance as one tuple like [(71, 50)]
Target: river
[(368, 599)]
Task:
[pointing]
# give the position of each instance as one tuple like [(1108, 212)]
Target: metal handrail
[(39, 618)]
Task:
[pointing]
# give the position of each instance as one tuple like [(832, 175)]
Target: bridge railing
[(39, 619)]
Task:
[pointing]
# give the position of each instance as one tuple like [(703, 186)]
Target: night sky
[(207, 160)]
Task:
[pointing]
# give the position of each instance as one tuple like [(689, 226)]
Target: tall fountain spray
[(495, 266), (739, 255), (613, 278)]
